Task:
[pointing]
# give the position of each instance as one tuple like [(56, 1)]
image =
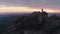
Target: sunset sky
[(51, 6)]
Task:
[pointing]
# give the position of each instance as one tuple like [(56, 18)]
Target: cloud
[(33, 3)]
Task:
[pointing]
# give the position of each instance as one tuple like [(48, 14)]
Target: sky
[(51, 6)]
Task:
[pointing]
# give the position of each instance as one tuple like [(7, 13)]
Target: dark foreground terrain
[(7, 20), (35, 23)]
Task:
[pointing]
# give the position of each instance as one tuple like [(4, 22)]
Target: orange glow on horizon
[(24, 9), (52, 11), (17, 9)]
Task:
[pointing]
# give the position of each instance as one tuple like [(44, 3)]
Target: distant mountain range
[(57, 14)]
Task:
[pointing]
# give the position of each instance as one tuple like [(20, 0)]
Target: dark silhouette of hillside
[(6, 20), (36, 22)]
